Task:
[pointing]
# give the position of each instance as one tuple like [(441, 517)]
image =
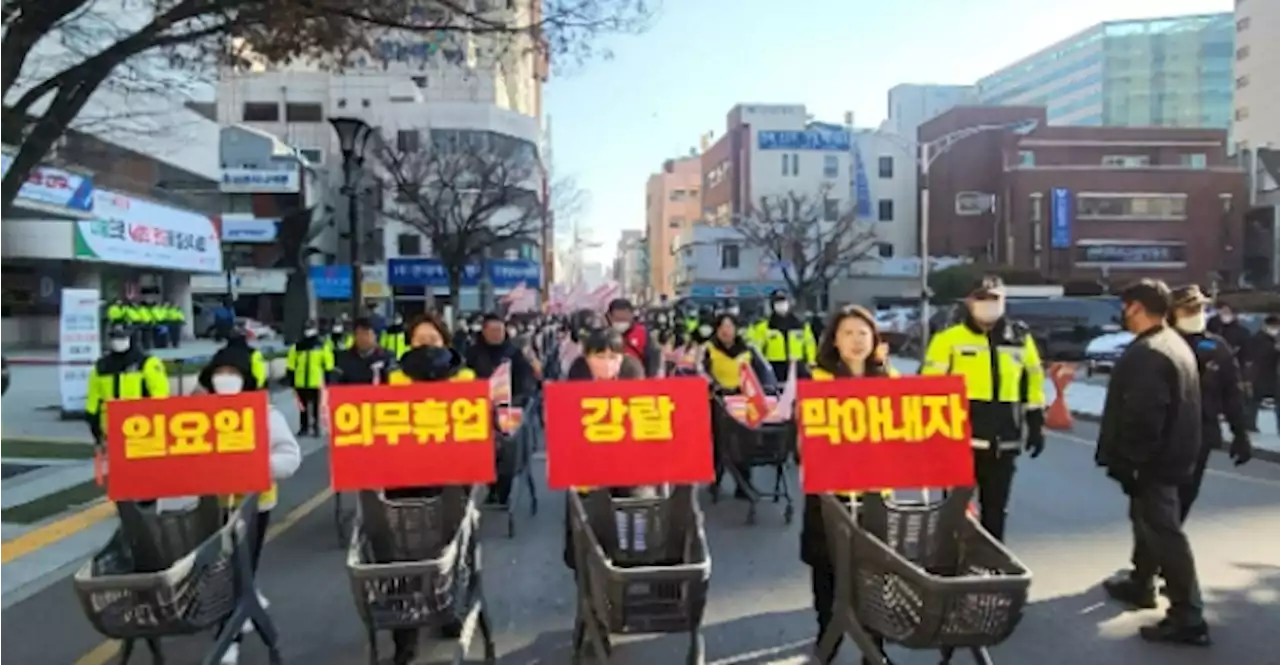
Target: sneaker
[(1131, 592), (232, 656), (1168, 632)]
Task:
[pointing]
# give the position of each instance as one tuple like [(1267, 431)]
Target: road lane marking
[(104, 652), (1264, 482), (56, 531)]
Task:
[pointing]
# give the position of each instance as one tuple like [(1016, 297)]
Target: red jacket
[(635, 342)]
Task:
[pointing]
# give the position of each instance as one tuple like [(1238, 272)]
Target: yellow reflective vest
[(780, 346), (310, 365), (141, 377), (1002, 375)]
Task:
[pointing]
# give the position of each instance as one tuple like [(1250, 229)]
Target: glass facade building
[(1161, 72)]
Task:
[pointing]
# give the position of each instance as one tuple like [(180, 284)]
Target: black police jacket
[(1151, 420), (352, 367), (1220, 393)]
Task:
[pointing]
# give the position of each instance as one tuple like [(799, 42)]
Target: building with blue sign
[(1173, 71)]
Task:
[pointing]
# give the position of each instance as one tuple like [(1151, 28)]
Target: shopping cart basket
[(127, 594), (415, 563), (643, 567), (515, 452), (924, 576), (740, 448)]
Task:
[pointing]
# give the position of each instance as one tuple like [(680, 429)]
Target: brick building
[(1088, 203)]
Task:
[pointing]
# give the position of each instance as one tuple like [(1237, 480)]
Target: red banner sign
[(874, 434), (753, 393), (414, 435), (183, 446), (627, 433)]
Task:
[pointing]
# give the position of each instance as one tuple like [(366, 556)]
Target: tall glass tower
[(1161, 72)]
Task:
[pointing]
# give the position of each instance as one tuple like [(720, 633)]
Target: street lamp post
[(929, 154), (353, 138)]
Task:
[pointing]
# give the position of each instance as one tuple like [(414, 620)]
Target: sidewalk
[(1086, 400)]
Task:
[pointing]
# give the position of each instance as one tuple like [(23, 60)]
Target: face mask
[(311, 332), (662, 320), (622, 326), (1273, 331), (511, 332), (781, 308), (602, 368), (705, 331), (475, 329), (734, 311), (119, 344), (988, 311), (1191, 324), (337, 330), (399, 321), (1227, 317), (227, 384)]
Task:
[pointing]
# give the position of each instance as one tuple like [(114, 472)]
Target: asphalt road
[(1068, 526)]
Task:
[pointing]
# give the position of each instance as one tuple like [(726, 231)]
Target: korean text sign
[(623, 433), (195, 445), (874, 434), (415, 435)]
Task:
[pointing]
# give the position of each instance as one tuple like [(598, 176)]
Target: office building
[(1083, 204), (631, 265), (1256, 131), (913, 104), (1160, 72), (672, 203)]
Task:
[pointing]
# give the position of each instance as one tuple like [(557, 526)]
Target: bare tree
[(810, 237), (467, 197), (56, 55)]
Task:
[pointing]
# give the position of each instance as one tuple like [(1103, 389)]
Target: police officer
[(392, 339), (177, 321), (1220, 393), (365, 362), (339, 339), (125, 372), (306, 366), (784, 337), (238, 338), (1001, 367)]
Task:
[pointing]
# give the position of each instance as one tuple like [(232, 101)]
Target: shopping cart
[(739, 448), (343, 518), (515, 454), (176, 573), (643, 566), (921, 575), (415, 563)]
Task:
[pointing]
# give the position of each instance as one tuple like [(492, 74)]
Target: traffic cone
[(1058, 415)]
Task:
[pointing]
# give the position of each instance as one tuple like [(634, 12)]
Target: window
[(678, 195), (407, 141), (261, 112), (969, 204), (885, 210), (786, 164), (795, 164), (313, 155), (886, 166), (830, 166), (420, 81), (729, 257), (409, 244), (831, 209), (1242, 81), (303, 113), (1026, 158), (790, 164), (1242, 52), (1126, 161), (1195, 160), (1132, 206), (884, 250), (1242, 113), (1242, 24), (675, 223)]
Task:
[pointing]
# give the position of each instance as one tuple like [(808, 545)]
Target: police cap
[(989, 286)]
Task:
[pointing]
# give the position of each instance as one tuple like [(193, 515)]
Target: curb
[(1259, 453)]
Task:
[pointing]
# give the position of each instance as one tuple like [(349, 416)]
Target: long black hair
[(828, 357)]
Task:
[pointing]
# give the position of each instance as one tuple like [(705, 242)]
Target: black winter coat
[(1151, 419)]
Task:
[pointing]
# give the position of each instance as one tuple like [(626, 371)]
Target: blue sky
[(614, 121)]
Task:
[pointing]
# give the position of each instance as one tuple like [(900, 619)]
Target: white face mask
[(119, 344), (227, 384), (337, 330), (734, 311), (1227, 317), (310, 332), (475, 329), (705, 331), (622, 326), (988, 311), (1195, 323), (782, 308)]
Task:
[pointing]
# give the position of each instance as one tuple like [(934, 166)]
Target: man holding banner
[(1005, 382)]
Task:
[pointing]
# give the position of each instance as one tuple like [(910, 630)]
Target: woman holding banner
[(850, 348), (230, 372), (431, 357), (726, 354)]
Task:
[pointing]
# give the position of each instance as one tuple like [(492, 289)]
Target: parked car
[(1101, 354), (1061, 327)]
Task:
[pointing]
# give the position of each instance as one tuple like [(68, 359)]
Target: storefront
[(129, 248), (421, 283)]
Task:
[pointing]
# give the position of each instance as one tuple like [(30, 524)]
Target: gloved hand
[(1241, 450), (1035, 443)]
